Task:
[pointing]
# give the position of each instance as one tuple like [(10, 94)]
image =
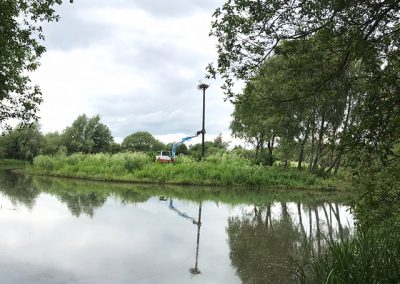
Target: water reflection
[(18, 189), (193, 270), (73, 231), (268, 241)]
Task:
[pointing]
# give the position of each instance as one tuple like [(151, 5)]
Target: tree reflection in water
[(80, 197), (268, 241), (18, 189)]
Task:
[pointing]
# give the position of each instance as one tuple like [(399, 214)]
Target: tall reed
[(369, 257)]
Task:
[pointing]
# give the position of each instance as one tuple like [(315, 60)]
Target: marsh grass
[(368, 257), (219, 169)]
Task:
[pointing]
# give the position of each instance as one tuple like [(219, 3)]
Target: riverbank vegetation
[(86, 150), (12, 164), (369, 257), (218, 169)]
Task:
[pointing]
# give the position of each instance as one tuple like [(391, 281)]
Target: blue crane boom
[(175, 145), (167, 157)]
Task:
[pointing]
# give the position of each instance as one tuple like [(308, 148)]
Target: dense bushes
[(101, 163), (217, 169)]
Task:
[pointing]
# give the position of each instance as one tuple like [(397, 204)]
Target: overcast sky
[(136, 63)]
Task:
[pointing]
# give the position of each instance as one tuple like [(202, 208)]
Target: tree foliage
[(87, 135), (141, 141), (249, 31), (52, 143), (23, 143), (329, 71), (20, 49)]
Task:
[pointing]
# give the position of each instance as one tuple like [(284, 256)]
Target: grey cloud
[(159, 120), (174, 104), (79, 29), (177, 7), (159, 8), (158, 54), (75, 30), (158, 117)]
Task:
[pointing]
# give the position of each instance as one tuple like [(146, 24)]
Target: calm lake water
[(69, 231)]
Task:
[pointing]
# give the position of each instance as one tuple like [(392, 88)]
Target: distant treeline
[(89, 135)]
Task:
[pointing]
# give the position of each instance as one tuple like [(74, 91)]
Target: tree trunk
[(319, 145), (312, 135), (285, 164), (336, 162), (270, 145), (301, 156), (302, 144)]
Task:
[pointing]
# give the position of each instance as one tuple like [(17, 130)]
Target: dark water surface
[(69, 231)]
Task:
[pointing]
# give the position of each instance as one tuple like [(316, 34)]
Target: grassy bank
[(220, 169), (12, 164)]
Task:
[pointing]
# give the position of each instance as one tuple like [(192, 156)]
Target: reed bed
[(224, 169), (369, 257)]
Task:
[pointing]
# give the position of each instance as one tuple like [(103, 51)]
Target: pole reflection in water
[(195, 270)]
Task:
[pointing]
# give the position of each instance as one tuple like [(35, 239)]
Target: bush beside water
[(217, 169)]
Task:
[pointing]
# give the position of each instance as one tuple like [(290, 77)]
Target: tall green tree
[(87, 135), (250, 124), (24, 142), (21, 46), (282, 99), (142, 141)]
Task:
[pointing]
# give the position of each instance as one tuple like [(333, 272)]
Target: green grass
[(370, 257), (220, 169), (12, 164)]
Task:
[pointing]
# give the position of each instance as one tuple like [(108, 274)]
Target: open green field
[(215, 170)]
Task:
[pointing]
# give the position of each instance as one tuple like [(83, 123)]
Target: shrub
[(44, 163), (136, 161)]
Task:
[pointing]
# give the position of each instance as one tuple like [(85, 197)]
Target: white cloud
[(136, 65)]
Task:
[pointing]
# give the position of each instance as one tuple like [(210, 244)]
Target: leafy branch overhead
[(20, 49), (249, 31)]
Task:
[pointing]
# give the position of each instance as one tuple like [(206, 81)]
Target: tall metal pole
[(203, 130)]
